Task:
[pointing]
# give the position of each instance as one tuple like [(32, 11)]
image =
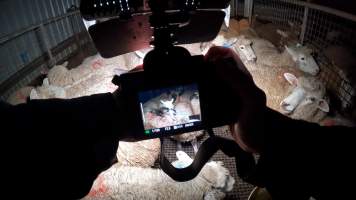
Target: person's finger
[(217, 53), (231, 70), (237, 137), (137, 68)]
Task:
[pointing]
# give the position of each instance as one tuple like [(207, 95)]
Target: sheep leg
[(195, 145)]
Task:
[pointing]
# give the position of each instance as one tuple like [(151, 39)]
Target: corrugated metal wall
[(30, 29)]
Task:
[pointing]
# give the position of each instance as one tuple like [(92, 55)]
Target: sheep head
[(303, 58), (307, 96), (244, 47)]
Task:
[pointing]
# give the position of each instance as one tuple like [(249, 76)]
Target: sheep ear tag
[(293, 80)]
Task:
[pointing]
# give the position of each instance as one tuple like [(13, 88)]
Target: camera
[(176, 92)]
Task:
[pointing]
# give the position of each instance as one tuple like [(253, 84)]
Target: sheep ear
[(282, 33), (291, 79), (33, 94), (323, 105), (140, 54), (182, 156), (65, 64), (45, 82)]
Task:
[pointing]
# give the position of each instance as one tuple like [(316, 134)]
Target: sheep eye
[(242, 48), (302, 58), (312, 99)]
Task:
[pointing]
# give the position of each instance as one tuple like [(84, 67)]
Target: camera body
[(175, 93)]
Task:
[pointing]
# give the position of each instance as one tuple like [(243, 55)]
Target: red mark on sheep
[(97, 64), (20, 96), (98, 187)]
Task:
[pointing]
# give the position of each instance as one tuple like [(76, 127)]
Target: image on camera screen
[(169, 109)]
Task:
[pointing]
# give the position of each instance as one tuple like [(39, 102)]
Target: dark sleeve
[(303, 159), (62, 144)]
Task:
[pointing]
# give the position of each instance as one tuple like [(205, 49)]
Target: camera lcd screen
[(170, 109)]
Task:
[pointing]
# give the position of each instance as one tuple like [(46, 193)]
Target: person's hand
[(248, 132)]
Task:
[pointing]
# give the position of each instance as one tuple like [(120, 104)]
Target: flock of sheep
[(288, 78)]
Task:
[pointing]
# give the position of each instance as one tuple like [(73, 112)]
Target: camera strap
[(245, 163)]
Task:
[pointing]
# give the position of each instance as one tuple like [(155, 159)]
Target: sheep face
[(306, 97), (245, 48), (303, 59), (220, 177)]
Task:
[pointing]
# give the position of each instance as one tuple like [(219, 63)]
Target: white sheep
[(300, 98), (58, 75), (307, 99), (138, 154), (294, 55), (93, 76), (183, 110), (173, 109), (272, 81), (47, 91), (20, 95), (213, 182)]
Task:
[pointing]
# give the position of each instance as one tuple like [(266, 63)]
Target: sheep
[(267, 53), (291, 95), (93, 76), (187, 104), (183, 110), (59, 75), (272, 81), (138, 154), (293, 55), (96, 83), (253, 48), (173, 108), (47, 91), (226, 37), (20, 96), (307, 99), (214, 180), (290, 47)]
